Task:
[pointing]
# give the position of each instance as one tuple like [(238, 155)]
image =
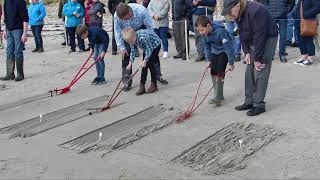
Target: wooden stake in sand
[(100, 135), (186, 38), (240, 142), (40, 117)]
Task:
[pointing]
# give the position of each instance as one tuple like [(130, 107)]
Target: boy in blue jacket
[(37, 13), (98, 42), (218, 49), (73, 13)]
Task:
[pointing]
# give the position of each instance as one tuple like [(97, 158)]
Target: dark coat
[(181, 9), (15, 14), (310, 9), (255, 26), (112, 4)]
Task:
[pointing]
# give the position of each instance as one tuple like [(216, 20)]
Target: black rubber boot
[(10, 70), (20, 74)]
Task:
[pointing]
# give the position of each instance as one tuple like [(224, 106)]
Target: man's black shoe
[(162, 81), (178, 56), (255, 111), (244, 107)]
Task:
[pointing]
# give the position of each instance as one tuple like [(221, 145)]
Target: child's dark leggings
[(150, 65), (218, 64)]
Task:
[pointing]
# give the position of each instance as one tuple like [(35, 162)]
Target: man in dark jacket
[(201, 8), (258, 36), (279, 11), (181, 11), (16, 20), (112, 4)]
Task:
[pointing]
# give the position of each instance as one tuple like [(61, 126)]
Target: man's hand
[(91, 51), (195, 2), (129, 65), (144, 63), (156, 17), (124, 52), (259, 66), (99, 14), (247, 59), (231, 67), (208, 64), (102, 55), (24, 37)]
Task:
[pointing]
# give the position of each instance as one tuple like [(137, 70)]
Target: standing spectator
[(62, 17), (74, 13), (201, 8), (1, 42), (181, 11), (96, 13), (16, 21), (159, 10), (87, 7), (279, 11), (232, 28), (112, 4), (307, 48), (292, 32), (137, 17), (37, 13), (80, 41), (258, 34)]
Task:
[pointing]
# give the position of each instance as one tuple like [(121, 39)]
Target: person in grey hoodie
[(159, 12)]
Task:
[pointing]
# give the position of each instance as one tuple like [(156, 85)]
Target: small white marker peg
[(100, 135), (240, 142), (40, 117)]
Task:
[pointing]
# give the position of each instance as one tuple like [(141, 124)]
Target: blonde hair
[(128, 34)]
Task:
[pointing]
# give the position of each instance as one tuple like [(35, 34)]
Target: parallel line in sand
[(53, 119), (24, 101), (116, 130)]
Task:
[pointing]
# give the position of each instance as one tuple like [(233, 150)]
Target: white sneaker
[(165, 55)]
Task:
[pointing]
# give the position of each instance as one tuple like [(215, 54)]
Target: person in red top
[(1, 43), (88, 5)]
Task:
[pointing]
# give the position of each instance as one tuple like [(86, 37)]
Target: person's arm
[(81, 12), (148, 48), (259, 30), (132, 53), (228, 44), (164, 12), (150, 9), (66, 11), (117, 33), (147, 21), (207, 48), (23, 14), (42, 13)]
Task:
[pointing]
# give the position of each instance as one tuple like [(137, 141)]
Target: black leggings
[(150, 65), (218, 64)]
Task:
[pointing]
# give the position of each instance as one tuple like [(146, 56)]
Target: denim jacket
[(219, 41)]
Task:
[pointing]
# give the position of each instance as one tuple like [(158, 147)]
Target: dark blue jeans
[(230, 26), (36, 31), (14, 45), (306, 44), (162, 32), (291, 29), (282, 23), (100, 66)]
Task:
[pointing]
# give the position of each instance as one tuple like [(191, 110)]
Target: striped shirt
[(140, 17), (147, 40)]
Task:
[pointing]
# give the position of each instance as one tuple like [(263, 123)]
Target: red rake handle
[(85, 63), (114, 96)]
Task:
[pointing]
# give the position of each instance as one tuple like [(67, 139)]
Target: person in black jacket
[(16, 20), (279, 10), (112, 4), (258, 35), (181, 11)]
